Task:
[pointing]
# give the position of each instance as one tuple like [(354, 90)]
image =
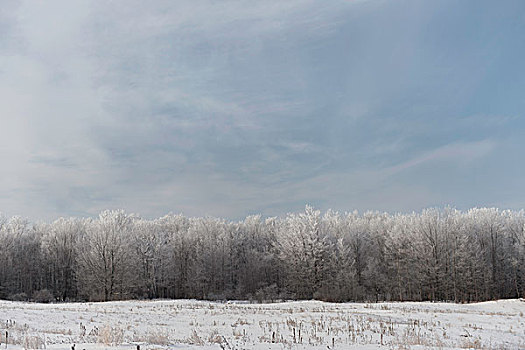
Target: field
[(181, 324)]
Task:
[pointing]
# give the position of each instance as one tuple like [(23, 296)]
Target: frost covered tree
[(516, 232), (105, 256), (21, 257), (486, 230), (437, 254), (304, 249), (60, 248)]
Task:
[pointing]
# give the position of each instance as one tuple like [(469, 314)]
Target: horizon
[(282, 216)]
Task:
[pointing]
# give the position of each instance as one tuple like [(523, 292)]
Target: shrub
[(43, 296), (18, 297), (268, 293)]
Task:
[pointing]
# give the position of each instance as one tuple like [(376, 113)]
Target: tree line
[(437, 255)]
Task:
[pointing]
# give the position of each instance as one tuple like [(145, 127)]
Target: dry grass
[(33, 342), (110, 335)]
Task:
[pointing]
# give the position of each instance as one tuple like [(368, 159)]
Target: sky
[(233, 108)]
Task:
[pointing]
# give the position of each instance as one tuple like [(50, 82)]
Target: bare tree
[(60, 246), (105, 255)]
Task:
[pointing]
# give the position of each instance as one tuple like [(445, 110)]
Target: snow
[(183, 324)]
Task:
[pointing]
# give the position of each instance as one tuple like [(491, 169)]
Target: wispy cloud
[(458, 152)]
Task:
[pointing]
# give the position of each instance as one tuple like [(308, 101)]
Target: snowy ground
[(182, 324)]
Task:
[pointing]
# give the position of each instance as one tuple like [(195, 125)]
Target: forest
[(438, 254)]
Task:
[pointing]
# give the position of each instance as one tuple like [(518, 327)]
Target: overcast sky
[(230, 108)]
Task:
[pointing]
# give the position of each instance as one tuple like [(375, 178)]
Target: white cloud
[(460, 152)]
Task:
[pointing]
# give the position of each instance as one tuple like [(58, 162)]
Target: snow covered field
[(181, 324)]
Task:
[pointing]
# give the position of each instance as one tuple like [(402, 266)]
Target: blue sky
[(230, 108)]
